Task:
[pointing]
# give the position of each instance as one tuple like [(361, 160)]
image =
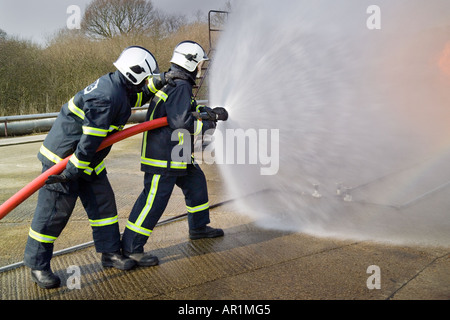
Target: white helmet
[(188, 54), (136, 64)]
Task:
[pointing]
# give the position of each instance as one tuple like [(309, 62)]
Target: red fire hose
[(37, 183)]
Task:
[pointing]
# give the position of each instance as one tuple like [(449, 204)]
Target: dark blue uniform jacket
[(99, 110)]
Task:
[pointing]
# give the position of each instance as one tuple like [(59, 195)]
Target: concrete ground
[(248, 263)]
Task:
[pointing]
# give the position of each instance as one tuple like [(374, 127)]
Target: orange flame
[(444, 60)]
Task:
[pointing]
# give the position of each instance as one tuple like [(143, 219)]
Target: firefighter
[(99, 110), (161, 170)]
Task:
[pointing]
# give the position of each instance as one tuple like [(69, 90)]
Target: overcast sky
[(37, 19)]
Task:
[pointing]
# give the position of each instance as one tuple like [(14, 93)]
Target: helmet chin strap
[(199, 73), (131, 77), (134, 88), (199, 69)]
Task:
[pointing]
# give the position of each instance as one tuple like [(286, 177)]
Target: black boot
[(117, 260), (45, 279), (205, 232), (143, 259)]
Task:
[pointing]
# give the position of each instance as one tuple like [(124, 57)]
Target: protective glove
[(157, 82), (65, 176), (59, 178), (221, 113)]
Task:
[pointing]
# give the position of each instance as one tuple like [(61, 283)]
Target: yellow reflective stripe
[(178, 165), (163, 163), (95, 131), (198, 208), (153, 113), (75, 110), (199, 127), (150, 199), (138, 100), (144, 145), (141, 230), (100, 168), (104, 222), (41, 237), (154, 162), (198, 107), (180, 138), (118, 128), (79, 164), (100, 132), (151, 86), (97, 169), (49, 155), (162, 95), (137, 227)]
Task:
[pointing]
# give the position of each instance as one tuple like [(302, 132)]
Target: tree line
[(40, 79)]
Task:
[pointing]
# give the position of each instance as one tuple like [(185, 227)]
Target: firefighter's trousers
[(153, 200), (54, 208)]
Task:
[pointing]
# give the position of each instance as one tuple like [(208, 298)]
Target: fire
[(444, 60)]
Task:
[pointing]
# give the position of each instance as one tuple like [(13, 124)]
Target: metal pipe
[(28, 124), (20, 128), (32, 123)]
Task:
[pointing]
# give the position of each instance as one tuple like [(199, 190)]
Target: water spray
[(354, 107)]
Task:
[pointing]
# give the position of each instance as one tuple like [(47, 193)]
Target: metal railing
[(212, 29)]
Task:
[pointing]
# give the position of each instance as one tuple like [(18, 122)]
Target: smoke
[(360, 113)]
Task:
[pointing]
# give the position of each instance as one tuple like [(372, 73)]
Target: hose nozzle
[(215, 114)]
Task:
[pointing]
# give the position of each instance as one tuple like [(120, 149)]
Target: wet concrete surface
[(248, 263)]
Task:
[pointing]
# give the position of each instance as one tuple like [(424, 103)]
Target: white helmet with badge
[(188, 55), (136, 64)]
